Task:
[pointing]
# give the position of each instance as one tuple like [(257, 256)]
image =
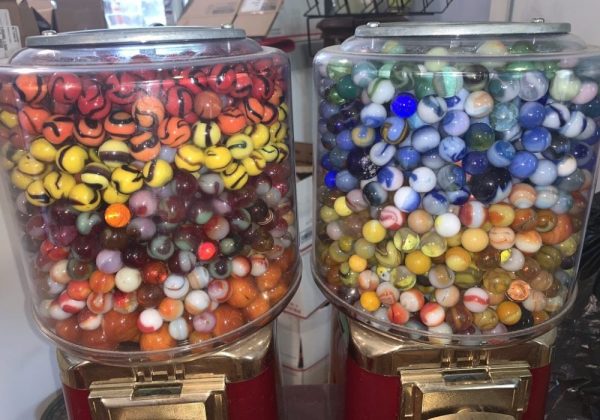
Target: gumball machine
[(148, 180), (455, 166)]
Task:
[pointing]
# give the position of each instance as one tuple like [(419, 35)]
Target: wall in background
[(581, 14), (27, 360), (460, 11)]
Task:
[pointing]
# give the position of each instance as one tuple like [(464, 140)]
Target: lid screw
[(226, 26), (49, 32), (537, 20), (372, 24)]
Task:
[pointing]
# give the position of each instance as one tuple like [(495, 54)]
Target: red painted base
[(247, 400), (253, 399), (371, 396)]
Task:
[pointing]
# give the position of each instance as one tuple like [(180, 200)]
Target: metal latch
[(498, 391), (201, 398)]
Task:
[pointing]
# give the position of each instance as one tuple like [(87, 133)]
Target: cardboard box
[(43, 7), (208, 12), (314, 375), (304, 346), (21, 16), (257, 16), (10, 41), (77, 15), (291, 23), (254, 16)]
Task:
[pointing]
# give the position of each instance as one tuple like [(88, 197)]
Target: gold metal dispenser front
[(194, 389), (182, 399), (498, 389), (446, 383)]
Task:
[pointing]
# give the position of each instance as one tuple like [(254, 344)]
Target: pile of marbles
[(452, 196), (157, 206)]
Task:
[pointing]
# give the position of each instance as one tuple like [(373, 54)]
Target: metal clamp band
[(240, 361)]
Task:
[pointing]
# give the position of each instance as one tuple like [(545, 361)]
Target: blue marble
[(563, 204), (572, 182), (330, 179), (432, 160), (504, 116), (533, 85), (511, 134), (351, 113), (338, 158), (575, 126), (545, 173), (373, 115), (547, 196), (359, 164), (364, 73), (374, 193), (492, 186), (455, 123), (544, 99), (390, 178), (590, 130), (559, 148), (451, 178), (326, 162), (394, 130), (425, 138), (345, 181), (404, 105), (363, 136), (523, 165), (594, 138), (322, 126), (503, 87), (382, 153), (343, 140), (337, 123), (475, 163), (536, 140), (422, 179), (457, 102), (531, 114), (590, 109), (327, 109), (408, 158), (407, 199), (583, 152), (501, 153), (435, 202), (452, 149), (432, 109), (556, 115), (566, 166), (328, 140), (459, 197)]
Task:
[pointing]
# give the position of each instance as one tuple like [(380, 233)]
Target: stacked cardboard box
[(254, 16), (304, 329)]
